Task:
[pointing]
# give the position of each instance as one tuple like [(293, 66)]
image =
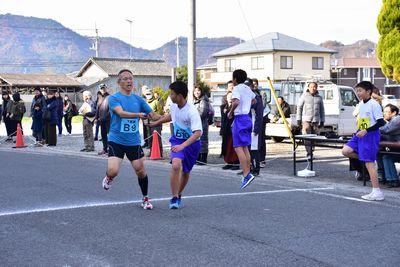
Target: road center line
[(102, 204)]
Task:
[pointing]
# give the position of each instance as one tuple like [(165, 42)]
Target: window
[(286, 62), (345, 72), (349, 98), (257, 63), (229, 65), (329, 95), (366, 74), (317, 63)]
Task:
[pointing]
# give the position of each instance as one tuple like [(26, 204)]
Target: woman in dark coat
[(202, 104), (52, 119), (228, 152), (37, 122), (6, 102), (60, 111)]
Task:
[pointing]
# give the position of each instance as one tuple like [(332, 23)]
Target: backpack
[(211, 113), (74, 110), (19, 111)]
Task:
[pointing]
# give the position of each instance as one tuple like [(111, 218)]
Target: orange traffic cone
[(20, 138), (155, 147)]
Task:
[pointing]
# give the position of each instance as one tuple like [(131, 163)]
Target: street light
[(130, 37)]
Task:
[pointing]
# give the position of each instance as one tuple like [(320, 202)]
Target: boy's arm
[(235, 104), (161, 120), (196, 135)]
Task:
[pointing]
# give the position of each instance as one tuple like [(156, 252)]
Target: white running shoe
[(106, 183), (146, 205), (374, 196)]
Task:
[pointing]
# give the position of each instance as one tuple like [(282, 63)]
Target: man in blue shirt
[(126, 109)]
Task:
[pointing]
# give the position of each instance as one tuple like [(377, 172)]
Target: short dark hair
[(122, 71), (239, 75), (281, 97), (366, 85), (179, 88), (255, 80), (393, 108), (316, 84)]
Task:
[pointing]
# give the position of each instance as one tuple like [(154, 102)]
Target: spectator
[(60, 112), (202, 103), (68, 114), (37, 123), (38, 99), (6, 102), (51, 119), (262, 149), (88, 111), (223, 110), (145, 90), (310, 113), (103, 116), (275, 116), (15, 112), (256, 113), (391, 132), (228, 152), (156, 108), (97, 123)]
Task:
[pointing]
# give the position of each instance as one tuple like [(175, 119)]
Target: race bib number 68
[(129, 125)]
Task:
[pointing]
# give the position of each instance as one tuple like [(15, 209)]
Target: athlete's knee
[(141, 172), (112, 172), (346, 151), (176, 165)]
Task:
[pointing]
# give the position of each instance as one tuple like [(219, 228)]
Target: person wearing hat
[(103, 116)]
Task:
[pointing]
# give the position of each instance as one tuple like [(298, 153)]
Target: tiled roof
[(273, 41), (357, 63), (42, 80), (139, 67)]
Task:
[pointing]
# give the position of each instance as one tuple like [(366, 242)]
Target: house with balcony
[(273, 55)]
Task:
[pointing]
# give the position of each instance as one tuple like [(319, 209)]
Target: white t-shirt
[(185, 120), (368, 114), (244, 94)]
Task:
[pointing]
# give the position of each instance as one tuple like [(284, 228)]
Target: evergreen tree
[(388, 49)]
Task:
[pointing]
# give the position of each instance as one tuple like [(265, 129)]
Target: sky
[(156, 22)]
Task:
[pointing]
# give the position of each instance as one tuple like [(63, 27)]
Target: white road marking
[(102, 204)]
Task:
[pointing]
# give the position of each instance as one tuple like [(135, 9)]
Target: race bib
[(129, 125), (182, 133), (363, 123)]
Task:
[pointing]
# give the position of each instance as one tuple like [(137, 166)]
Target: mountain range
[(37, 45)]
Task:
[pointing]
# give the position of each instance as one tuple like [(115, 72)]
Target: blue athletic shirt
[(125, 131)]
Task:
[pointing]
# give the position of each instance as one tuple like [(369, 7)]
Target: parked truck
[(339, 103)]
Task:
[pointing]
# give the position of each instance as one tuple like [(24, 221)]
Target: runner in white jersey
[(185, 141)]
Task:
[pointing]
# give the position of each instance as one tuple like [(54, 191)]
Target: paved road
[(54, 212)]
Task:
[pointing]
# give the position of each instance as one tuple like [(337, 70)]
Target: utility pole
[(97, 42), (95, 45), (130, 37), (177, 52), (192, 49)]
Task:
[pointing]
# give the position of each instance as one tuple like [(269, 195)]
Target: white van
[(339, 103)]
